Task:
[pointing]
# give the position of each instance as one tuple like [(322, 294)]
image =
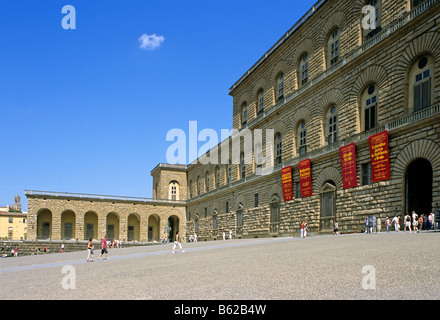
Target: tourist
[(301, 230), (395, 221), (336, 229), (407, 222), (230, 234), (378, 222), (90, 250), (195, 237), (415, 221), (177, 243), (224, 235), (367, 221), (62, 248), (421, 221), (387, 224), (104, 249), (430, 220)]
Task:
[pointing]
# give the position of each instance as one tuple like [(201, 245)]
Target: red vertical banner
[(287, 183), (305, 178), (348, 165), (380, 157)]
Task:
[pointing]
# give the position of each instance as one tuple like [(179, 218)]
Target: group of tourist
[(412, 222)]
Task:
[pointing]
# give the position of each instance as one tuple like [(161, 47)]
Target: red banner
[(380, 157), (305, 178), (287, 183), (348, 164)]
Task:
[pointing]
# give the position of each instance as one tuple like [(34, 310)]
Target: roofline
[(176, 167), (283, 39)]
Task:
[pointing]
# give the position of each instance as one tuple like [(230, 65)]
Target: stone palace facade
[(329, 82)]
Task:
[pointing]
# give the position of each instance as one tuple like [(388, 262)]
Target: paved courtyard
[(357, 266)]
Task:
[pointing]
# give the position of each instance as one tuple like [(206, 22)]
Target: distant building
[(13, 222)]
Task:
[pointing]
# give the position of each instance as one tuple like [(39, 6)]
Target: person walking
[(395, 221), (104, 246), (336, 229), (301, 230), (387, 224), (407, 222), (230, 234), (224, 235), (415, 221), (177, 244), (90, 250)]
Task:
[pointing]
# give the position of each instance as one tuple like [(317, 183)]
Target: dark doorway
[(418, 187)]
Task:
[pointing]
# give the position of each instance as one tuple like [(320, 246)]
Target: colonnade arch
[(74, 223)]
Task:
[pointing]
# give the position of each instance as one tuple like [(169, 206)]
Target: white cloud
[(150, 42)]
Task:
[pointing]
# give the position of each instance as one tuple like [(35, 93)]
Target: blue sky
[(88, 110)]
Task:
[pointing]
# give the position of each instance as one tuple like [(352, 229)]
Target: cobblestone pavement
[(357, 266)]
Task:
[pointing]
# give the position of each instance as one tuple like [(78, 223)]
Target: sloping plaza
[(379, 266)]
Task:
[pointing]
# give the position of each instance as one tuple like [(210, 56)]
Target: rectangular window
[(298, 190), (214, 222), (206, 212), (256, 200), (227, 207), (10, 220), (422, 90), (366, 174), (239, 218)]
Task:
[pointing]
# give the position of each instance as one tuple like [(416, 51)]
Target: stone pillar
[(79, 227), (144, 227), (56, 226)]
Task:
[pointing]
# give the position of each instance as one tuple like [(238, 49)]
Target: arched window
[(328, 205), (416, 3), (173, 190), (302, 138), (369, 107), (244, 114), (242, 166), (274, 214), (260, 102), (258, 158), (372, 26), (421, 89), (331, 125), (190, 189), (304, 69), (207, 181), (333, 48), (278, 148), (217, 177), (239, 222), (229, 171), (279, 90)]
